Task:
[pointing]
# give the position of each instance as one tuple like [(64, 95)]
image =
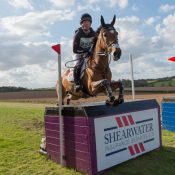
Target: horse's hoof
[(116, 102), (121, 100), (112, 99), (109, 103)]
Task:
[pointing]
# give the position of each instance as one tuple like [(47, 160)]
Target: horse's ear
[(102, 21), (113, 21)]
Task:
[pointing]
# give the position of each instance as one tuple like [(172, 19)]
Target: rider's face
[(86, 25)]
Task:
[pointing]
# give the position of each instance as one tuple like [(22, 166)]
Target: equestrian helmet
[(85, 17)]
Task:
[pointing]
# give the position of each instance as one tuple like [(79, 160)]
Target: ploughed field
[(50, 96)]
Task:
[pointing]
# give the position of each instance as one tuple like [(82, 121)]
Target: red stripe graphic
[(131, 150), (136, 148), (131, 120), (119, 122), (125, 120), (142, 147)]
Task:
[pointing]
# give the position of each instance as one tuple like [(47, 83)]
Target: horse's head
[(109, 39)]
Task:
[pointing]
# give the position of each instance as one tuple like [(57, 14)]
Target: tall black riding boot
[(77, 72)]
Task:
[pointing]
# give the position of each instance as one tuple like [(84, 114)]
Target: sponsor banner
[(123, 137)]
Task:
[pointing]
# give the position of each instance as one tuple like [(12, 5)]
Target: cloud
[(32, 64), (151, 20), (30, 76), (155, 64), (24, 4), (62, 3), (120, 3), (19, 54), (166, 8), (28, 65), (93, 1), (133, 39), (166, 30), (128, 21), (96, 5), (26, 57), (34, 24), (150, 53), (89, 6)]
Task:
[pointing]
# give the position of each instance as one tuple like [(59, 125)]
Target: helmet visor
[(86, 19)]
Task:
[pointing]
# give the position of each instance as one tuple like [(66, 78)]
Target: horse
[(97, 76)]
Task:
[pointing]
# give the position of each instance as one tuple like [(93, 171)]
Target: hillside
[(159, 82)]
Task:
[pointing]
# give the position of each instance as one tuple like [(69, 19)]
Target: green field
[(21, 129), (162, 83)]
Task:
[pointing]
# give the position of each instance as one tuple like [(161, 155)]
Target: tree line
[(126, 82), (12, 89)]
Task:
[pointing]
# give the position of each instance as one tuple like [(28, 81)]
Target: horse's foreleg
[(101, 85), (106, 84), (115, 85)]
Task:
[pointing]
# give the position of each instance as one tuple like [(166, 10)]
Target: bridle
[(114, 44)]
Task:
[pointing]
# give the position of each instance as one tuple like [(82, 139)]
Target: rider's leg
[(77, 71), (77, 75)]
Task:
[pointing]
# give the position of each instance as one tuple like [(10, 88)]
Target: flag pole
[(57, 48), (132, 76), (60, 108)]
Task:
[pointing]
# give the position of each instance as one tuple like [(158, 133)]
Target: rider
[(82, 45)]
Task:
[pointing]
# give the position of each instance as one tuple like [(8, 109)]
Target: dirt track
[(158, 97), (50, 97)]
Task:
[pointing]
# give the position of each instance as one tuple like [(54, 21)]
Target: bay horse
[(97, 75)]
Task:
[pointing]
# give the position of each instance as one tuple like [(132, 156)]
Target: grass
[(21, 129), (162, 83)]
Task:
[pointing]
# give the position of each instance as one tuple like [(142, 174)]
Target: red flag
[(172, 59), (57, 48)]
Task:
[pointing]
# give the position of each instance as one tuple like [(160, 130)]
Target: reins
[(73, 61)]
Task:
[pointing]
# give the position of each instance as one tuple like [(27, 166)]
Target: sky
[(28, 29)]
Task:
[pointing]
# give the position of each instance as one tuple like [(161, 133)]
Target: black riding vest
[(83, 41)]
